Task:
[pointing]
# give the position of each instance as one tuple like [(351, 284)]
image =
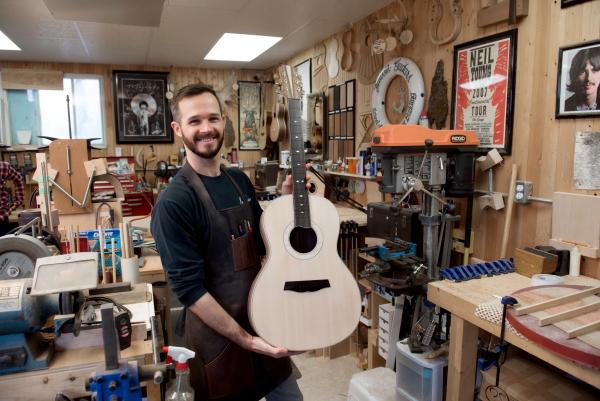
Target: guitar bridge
[(306, 285)]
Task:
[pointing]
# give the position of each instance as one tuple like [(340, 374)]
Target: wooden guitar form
[(278, 127), (304, 297)]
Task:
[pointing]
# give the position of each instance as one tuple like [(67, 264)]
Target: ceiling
[(187, 28)]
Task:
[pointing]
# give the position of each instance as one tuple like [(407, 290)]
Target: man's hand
[(286, 187), (260, 346)]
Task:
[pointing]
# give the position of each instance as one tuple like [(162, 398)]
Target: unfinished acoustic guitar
[(304, 297)]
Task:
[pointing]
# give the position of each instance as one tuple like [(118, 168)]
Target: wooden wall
[(542, 146), (178, 76)]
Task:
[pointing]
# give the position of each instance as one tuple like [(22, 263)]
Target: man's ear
[(176, 128)]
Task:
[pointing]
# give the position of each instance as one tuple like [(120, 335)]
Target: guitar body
[(278, 127), (303, 320)]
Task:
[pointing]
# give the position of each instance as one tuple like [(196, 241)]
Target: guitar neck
[(301, 207)]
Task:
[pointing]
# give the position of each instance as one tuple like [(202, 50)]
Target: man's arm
[(213, 315)]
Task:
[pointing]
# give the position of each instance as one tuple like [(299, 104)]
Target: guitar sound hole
[(303, 240)]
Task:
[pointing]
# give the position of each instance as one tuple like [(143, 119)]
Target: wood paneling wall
[(178, 76), (542, 146)]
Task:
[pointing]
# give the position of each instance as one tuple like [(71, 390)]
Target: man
[(584, 81), (143, 115), (206, 229)]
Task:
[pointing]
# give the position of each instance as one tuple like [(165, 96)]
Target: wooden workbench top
[(462, 299)]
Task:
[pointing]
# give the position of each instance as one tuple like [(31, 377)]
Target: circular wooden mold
[(551, 337)]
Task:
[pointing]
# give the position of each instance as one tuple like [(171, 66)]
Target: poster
[(483, 89)]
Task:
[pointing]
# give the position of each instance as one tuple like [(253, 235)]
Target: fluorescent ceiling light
[(240, 47), (6, 43)]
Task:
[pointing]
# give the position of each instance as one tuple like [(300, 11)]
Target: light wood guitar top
[(303, 320)]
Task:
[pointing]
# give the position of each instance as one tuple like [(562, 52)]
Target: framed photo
[(569, 3), (142, 112), (483, 89), (578, 83), (249, 114)]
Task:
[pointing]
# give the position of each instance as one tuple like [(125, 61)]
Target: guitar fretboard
[(301, 208)]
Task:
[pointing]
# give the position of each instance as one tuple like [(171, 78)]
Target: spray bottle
[(180, 389)]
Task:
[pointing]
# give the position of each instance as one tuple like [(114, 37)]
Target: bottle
[(423, 120), (180, 389), (373, 166)]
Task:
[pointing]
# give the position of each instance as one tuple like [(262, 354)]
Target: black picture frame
[(142, 113), (484, 68), (569, 3), (569, 104), (249, 114)]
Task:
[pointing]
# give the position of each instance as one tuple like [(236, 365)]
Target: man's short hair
[(189, 91), (143, 103)]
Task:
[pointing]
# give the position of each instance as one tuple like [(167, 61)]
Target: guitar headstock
[(291, 86)]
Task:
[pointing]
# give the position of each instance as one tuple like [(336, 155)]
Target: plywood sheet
[(576, 219)]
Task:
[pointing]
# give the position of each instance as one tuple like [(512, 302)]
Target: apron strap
[(196, 183)]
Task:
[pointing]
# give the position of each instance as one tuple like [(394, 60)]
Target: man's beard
[(205, 154)]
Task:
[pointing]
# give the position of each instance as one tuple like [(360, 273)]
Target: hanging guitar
[(278, 127), (304, 297)]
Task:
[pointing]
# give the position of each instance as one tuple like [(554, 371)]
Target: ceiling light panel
[(240, 47), (6, 43)]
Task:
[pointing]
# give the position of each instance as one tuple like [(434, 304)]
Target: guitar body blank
[(303, 319)]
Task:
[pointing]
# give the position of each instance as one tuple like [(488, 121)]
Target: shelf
[(348, 175)]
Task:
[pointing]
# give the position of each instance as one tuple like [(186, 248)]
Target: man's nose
[(204, 126)]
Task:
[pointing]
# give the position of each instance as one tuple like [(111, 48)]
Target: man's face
[(589, 79), (201, 125)]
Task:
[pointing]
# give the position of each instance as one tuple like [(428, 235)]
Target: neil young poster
[(483, 89)]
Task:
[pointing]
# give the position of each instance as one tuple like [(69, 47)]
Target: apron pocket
[(229, 372), (244, 252)]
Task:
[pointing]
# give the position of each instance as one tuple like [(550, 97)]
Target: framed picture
[(249, 114), (578, 83), (569, 3), (483, 89), (142, 112)]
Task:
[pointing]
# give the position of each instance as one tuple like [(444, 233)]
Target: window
[(45, 112)]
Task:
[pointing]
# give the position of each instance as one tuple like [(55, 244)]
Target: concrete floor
[(325, 379)]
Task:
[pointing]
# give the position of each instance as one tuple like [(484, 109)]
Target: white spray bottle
[(180, 389)]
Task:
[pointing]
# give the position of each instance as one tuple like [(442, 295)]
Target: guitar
[(278, 127), (304, 297)]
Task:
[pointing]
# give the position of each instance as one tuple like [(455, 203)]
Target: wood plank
[(461, 360), (585, 329), (576, 219), (556, 301), (557, 317)]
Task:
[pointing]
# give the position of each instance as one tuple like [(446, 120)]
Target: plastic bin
[(418, 379)]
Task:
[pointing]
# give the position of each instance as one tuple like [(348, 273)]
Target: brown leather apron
[(221, 369)]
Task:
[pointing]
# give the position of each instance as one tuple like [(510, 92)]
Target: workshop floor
[(325, 379)]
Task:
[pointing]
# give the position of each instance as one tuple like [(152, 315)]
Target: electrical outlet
[(523, 190)]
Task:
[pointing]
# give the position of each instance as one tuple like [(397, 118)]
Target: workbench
[(461, 299), (68, 372)]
